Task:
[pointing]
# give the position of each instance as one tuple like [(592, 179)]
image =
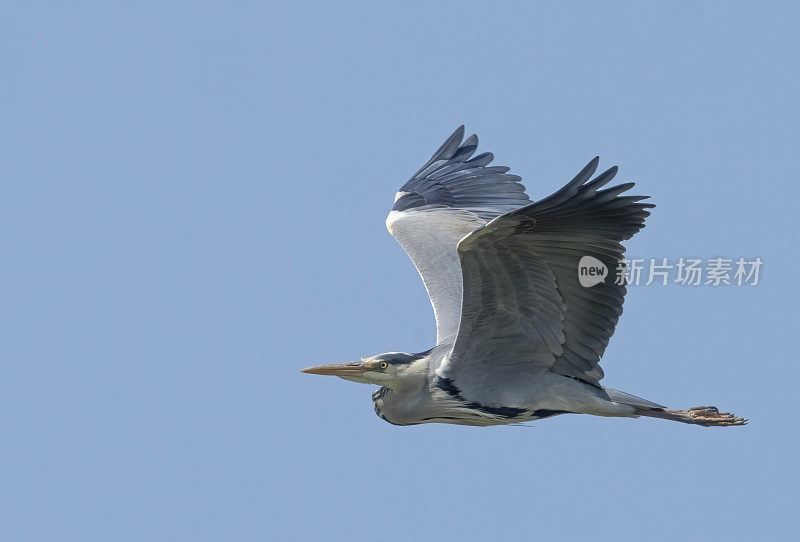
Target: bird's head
[(395, 370)]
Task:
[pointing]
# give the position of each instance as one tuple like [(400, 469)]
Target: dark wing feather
[(451, 178), (523, 302)]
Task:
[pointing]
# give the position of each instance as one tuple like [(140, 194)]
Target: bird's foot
[(708, 416)]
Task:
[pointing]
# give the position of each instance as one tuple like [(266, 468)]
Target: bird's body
[(520, 396), (519, 335)]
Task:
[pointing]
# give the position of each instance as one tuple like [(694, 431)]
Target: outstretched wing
[(449, 197), (523, 301)]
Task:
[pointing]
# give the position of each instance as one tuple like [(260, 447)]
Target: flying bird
[(518, 337)]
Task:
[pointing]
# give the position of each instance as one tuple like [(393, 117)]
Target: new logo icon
[(591, 271)]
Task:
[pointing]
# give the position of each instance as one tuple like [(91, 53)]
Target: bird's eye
[(383, 365)]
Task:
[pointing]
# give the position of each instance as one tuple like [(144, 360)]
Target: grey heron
[(518, 338)]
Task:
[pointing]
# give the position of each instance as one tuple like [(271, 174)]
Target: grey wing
[(449, 197), (523, 302)]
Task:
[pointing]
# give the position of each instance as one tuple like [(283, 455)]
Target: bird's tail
[(707, 416)]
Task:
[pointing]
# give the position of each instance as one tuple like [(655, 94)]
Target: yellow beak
[(357, 368)]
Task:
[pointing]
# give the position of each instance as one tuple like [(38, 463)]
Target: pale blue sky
[(192, 210)]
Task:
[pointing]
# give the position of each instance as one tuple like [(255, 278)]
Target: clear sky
[(192, 210)]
